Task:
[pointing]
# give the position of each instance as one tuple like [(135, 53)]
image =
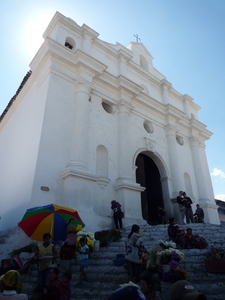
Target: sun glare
[(34, 32)]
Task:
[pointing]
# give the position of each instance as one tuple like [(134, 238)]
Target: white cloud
[(220, 197), (217, 172)]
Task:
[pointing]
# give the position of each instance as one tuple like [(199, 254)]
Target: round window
[(110, 109), (148, 126)]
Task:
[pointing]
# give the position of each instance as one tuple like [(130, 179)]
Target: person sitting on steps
[(199, 214)]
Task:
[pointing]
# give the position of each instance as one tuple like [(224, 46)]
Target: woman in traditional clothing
[(71, 233), (134, 252), (53, 287)]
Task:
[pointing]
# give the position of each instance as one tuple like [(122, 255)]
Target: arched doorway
[(148, 176)]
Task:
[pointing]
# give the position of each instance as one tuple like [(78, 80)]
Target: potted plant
[(215, 260), (107, 236)]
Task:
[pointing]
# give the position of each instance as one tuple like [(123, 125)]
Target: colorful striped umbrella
[(51, 218)]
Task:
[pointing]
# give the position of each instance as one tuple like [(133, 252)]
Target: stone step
[(105, 277)]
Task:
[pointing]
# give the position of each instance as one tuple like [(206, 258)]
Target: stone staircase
[(104, 277)]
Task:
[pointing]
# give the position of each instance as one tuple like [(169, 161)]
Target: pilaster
[(173, 157), (79, 139), (187, 100), (209, 206), (123, 141), (165, 86), (76, 176)]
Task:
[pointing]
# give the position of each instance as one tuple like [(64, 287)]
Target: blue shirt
[(83, 249)]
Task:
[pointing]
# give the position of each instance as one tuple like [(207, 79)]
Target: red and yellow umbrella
[(51, 218)]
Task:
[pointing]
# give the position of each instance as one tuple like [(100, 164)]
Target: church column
[(77, 179), (165, 86), (194, 143), (128, 191), (204, 185), (187, 100), (79, 142), (174, 161), (123, 140)]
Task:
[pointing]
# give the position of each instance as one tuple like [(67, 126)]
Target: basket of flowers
[(90, 237), (163, 252), (165, 258), (215, 260), (106, 236)]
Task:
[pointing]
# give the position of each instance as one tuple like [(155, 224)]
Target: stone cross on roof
[(137, 38)]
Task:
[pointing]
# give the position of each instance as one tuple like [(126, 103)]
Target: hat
[(12, 279), (184, 290)]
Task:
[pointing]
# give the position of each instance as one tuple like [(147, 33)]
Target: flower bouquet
[(90, 239), (154, 260), (166, 256)]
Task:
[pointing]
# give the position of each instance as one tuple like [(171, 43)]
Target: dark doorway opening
[(148, 176)]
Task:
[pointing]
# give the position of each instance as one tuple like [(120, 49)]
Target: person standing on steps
[(134, 252), (161, 215), (44, 253), (117, 214), (84, 263), (182, 207), (189, 212)]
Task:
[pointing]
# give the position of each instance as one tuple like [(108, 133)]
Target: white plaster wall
[(54, 149), (19, 147), (103, 131)]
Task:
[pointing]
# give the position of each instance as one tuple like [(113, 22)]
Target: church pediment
[(141, 49)]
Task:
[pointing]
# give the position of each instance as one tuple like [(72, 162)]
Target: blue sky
[(185, 37)]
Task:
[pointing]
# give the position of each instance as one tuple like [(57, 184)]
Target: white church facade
[(93, 122)]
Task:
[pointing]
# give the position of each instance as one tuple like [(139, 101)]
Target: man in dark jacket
[(189, 212), (199, 213), (182, 207), (117, 213)]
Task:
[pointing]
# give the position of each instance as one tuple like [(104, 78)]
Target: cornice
[(59, 18), (197, 128), (165, 83), (129, 86), (52, 49)]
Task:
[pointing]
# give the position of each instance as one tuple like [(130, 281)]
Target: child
[(189, 238), (65, 286), (189, 233), (178, 230), (84, 251), (180, 237), (195, 241), (172, 230)]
